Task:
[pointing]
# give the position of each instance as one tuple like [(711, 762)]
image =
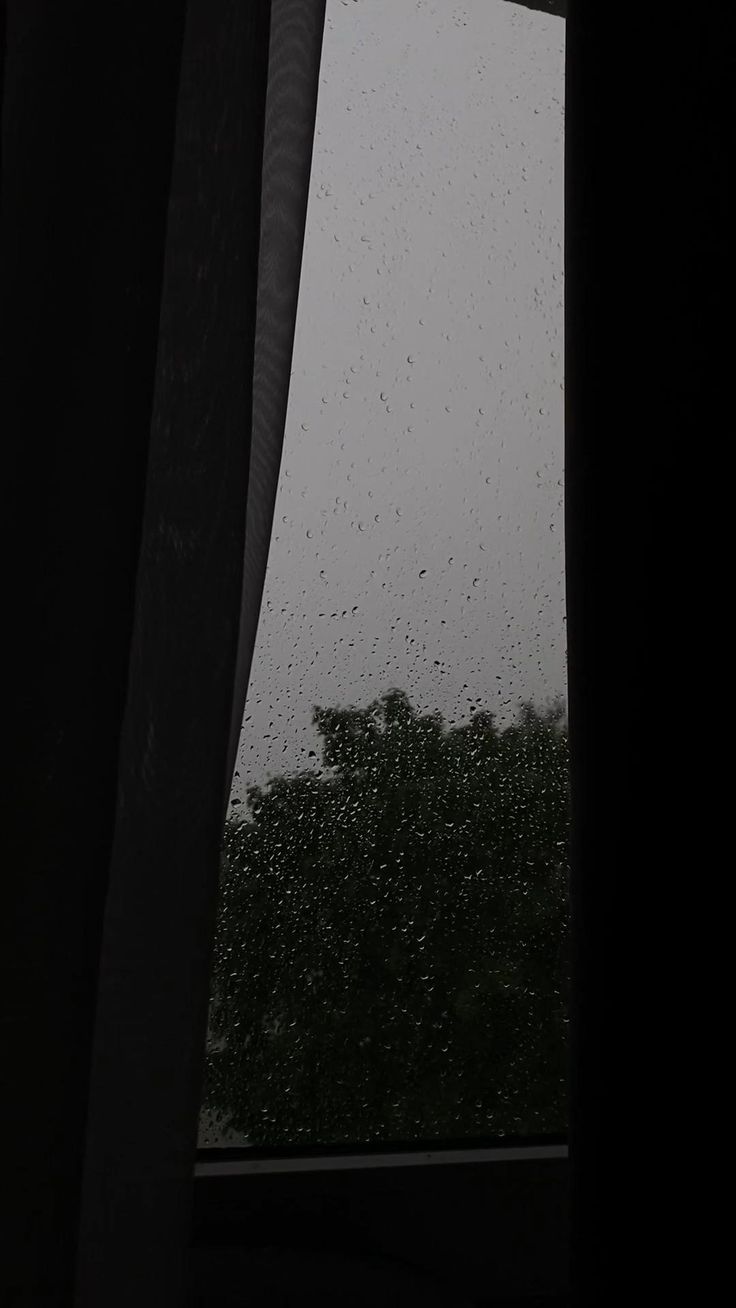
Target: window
[(391, 951)]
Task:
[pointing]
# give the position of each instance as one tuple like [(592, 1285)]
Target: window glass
[(391, 954)]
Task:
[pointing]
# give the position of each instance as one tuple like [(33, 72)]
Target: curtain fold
[(209, 505), (291, 106)]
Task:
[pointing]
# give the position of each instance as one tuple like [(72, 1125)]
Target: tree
[(391, 951)]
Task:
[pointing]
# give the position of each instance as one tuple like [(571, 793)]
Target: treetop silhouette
[(391, 951)]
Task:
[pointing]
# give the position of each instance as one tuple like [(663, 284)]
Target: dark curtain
[(146, 346)]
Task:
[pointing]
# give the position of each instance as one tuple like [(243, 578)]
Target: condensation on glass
[(391, 951)]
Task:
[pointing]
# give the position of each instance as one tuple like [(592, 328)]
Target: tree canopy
[(391, 951)]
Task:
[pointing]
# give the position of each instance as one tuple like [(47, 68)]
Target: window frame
[(524, 1184), (429, 1212)]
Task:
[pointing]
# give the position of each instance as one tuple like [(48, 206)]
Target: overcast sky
[(418, 535)]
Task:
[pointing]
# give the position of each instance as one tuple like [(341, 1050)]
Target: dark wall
[(471, 1232)]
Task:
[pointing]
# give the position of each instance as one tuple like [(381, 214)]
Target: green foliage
[(391, 953)]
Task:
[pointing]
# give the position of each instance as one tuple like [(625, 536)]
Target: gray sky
[(418, 534)]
